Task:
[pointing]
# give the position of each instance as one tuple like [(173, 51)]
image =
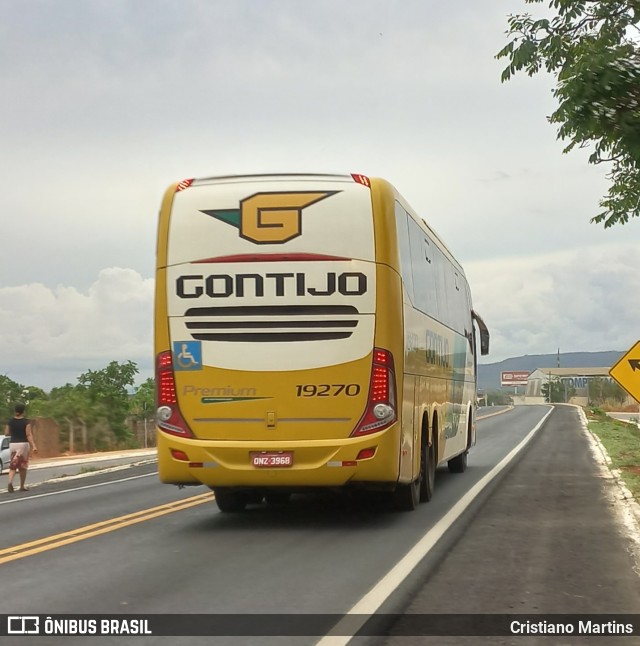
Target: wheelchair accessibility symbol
[(187, 355)]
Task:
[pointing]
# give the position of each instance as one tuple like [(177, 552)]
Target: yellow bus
[(311, 332)]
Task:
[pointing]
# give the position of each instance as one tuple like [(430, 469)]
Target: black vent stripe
[(239, 325), (216, 324), (269, 337), (274, 310)]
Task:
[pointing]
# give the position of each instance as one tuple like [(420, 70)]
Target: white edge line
[(55, 493), (372, 601), (623, 503)]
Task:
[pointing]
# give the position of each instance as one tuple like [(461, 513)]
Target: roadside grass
[(622, 442)]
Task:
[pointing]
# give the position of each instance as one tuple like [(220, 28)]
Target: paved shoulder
[(50, 469), (544, 541)]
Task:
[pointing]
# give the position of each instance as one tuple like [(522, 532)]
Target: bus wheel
[(407, 496), (229, 500), (428, 462), (253, 496), (459, 463), (276, 498)]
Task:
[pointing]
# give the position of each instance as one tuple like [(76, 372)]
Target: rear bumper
[(319, 463)]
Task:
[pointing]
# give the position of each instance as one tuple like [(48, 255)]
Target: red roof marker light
[(185, 183), (361, 179)]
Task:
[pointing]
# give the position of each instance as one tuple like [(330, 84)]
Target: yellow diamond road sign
[(627, 372)]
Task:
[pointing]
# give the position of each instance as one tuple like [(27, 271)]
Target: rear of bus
[(279, 345)]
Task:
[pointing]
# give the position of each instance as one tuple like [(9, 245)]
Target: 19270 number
[(327, 390)]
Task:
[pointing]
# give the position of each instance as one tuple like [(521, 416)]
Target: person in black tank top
[(19, 429)]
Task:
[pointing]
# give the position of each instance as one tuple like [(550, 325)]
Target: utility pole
[(144, 411)]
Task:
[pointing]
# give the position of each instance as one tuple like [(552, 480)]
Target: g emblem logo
[(270, 218)]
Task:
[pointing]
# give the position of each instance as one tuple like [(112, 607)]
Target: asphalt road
[(545, 540), (539, 538)]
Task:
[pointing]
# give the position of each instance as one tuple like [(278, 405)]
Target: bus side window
[(423, 265), (404, 249)]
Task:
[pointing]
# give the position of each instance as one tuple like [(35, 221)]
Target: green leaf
[(597, 69)]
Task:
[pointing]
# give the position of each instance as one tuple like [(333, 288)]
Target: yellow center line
[(103, 527)]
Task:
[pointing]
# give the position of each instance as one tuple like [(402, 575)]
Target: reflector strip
[(269, 337), (271, 257), (366, 454)]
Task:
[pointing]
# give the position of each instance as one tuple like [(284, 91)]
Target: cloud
[(578, 300), (109, 102), (51, 336)]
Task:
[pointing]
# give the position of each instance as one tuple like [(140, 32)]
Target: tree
[(499, 398), (72, 408), (605, 391), (11, 393), (141, 405), (108, 388), (34, 397), (93, 413), (558, 389), (588, 45)]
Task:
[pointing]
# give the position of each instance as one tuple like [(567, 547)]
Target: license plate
[(272, 459)]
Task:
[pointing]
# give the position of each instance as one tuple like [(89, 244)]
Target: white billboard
[(514, 378)]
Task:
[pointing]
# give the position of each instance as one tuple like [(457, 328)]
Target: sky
[(107, 102)]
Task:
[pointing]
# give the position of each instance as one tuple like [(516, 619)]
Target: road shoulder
[(546, 540)]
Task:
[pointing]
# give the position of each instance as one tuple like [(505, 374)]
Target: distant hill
[(489, 373)]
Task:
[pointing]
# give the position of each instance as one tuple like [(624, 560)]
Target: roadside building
[(575, 381)]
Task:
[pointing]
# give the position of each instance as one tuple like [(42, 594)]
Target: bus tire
[(459, 463), (253, 496), (407, 496), (229, 500), (277, 498), (428, 461)]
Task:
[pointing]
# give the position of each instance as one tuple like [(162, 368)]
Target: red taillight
[(383, 357), (379, 384), (169, 418), (381, 404), (165, 360), (167, 388)]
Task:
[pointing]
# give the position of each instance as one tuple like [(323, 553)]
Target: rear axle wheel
[(229, 500)]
